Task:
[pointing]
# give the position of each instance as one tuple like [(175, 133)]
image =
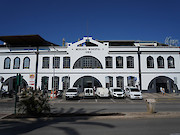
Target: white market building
[(148, 65)]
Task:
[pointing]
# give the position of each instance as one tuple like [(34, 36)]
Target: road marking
[(129, 100), (113, 100), (96, 100), (79, 101), (60, 100)]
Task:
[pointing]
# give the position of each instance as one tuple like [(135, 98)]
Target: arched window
[(44, 83), (65, 82), (131, 81), (26, 63), (119, 62), (120, 82), (160, 62), (7, 63), (109, 81), (55, 83), (16, 63), (170, 60), (87, 62), (108, 62), (130, 62), (150, 62)]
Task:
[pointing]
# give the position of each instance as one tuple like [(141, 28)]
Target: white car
[(102, 92), (72, 93), (89, 92), (133, 93), (117, 93)]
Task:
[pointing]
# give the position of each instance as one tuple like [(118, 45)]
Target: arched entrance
[(87, 82), (164, 82), (11, 83)]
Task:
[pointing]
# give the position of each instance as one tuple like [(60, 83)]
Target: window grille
[(130, 62), (17, 63), (45, 62)]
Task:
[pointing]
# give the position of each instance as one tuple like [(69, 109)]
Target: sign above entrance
[(86, 42)]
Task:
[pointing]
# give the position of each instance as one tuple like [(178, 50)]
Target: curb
[(122, 115)]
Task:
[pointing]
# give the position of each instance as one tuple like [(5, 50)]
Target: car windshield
[(135, 90), (117, 90), (72, 90), (88, 91)]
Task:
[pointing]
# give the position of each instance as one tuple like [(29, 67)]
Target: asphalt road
[(97, 106), (87, 126)]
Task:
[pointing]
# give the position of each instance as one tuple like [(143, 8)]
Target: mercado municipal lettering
[(148, 65)]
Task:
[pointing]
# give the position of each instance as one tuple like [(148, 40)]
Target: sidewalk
[(6, 99), (159, 95)]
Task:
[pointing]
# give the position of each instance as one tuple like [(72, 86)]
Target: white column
[(114, 82), (60, 82), (114, 62), (50, 83), (125, 81)]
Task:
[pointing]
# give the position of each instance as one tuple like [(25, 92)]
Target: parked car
[(117, 93), (102, 92), (89, 92), (72, 93), (133, 93)]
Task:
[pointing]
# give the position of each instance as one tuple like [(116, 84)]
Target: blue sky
[(151, 20)]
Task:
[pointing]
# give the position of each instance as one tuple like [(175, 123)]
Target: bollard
[(151, 104)]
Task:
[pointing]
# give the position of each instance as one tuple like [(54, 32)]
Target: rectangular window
[(130, 62), (108, 62), (119, 62), (45, 62), (56, 62), (66, 62)]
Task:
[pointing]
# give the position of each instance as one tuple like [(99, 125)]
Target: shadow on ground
[(25, 126)]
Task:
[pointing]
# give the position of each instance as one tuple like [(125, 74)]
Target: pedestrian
[(163, 92), (161, 89)]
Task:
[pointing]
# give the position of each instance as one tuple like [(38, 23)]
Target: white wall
[(100, 52)]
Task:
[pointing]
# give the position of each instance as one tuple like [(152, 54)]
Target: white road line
[(113, 100), (129, 100), (79, 101), (96, 100), (60, 100)]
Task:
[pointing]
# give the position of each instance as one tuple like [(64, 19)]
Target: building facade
[(147, 65)]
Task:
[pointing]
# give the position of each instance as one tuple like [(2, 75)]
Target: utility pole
[(139, 64), (36, 72), (18, 86)]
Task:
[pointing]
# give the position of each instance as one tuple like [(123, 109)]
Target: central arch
[(87, 62), (87, 82)]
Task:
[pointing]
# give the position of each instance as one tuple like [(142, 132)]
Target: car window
[(135, 90), (87, 91), (72, 90), (117, 90)]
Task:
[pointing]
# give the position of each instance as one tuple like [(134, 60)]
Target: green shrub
[(34, 104)]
